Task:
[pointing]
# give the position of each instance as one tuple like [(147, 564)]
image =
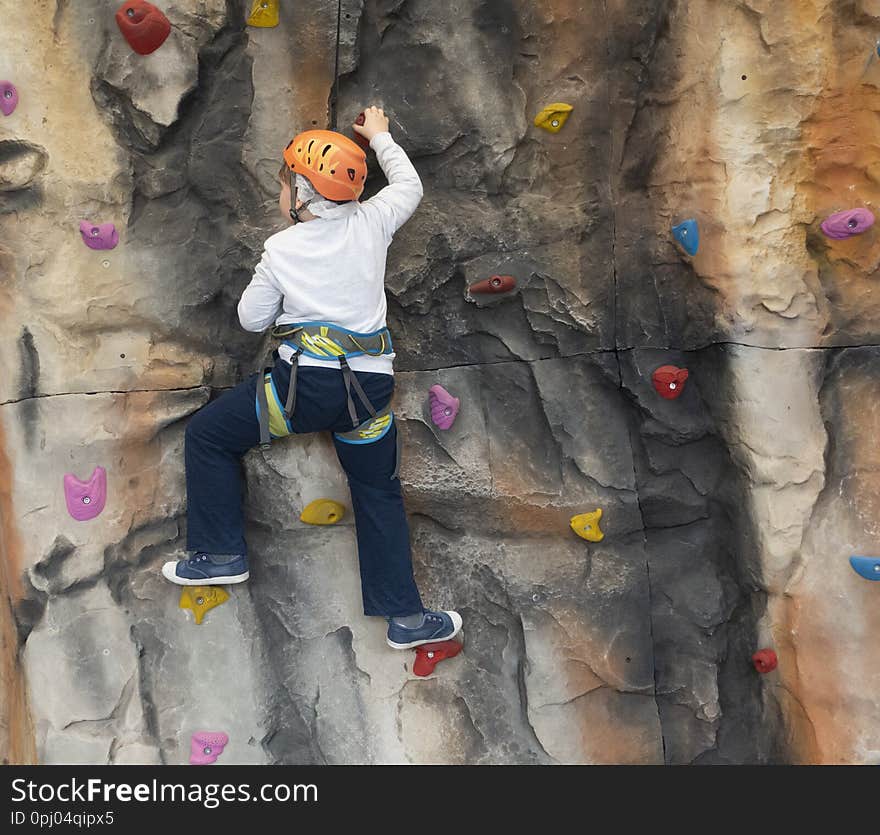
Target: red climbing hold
[(669, 381), (765, 661), (495, 284), (142, 25), (429, 655), (361, 140)]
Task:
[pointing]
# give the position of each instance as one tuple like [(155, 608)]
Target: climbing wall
[(686, 342)]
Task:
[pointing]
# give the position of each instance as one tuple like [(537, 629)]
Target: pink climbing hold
[(444, 407), (8, 97), (846, 224), (99, 236), (206, 746), (86, 499)]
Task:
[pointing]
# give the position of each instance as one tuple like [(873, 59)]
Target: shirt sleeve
[(262, 299), (395, 204)]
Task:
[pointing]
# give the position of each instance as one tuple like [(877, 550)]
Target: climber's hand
[(375, 121)]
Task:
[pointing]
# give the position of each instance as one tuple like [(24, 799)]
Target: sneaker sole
[(206, 581), (456, 623)]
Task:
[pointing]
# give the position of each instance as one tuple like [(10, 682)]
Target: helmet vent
[(326, 148), (351, 173)]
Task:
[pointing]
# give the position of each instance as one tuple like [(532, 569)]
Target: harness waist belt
[(323, 341)]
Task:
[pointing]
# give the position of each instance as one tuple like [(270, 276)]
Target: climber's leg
[(216, 438), (387, 582)]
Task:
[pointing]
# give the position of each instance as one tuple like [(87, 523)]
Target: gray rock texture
[(729, 513)]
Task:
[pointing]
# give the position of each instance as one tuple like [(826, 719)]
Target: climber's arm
[(262, 299), (395, 204)]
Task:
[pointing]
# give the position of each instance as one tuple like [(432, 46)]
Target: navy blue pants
[(220, 433)]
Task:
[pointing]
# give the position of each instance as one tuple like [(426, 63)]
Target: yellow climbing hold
[(264, 13), (322, 512), (586, 525), (201, 599), (553, 116)]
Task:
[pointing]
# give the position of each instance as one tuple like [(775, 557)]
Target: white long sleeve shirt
[(332, 269)]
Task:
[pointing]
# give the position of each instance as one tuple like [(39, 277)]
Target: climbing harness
[(323, 341)]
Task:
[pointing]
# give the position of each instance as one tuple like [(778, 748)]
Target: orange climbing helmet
[(333, 163)]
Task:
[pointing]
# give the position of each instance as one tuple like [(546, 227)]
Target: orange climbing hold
[(765, 661), (553, 116), (201, 599), (142, 25), (264, 14), (428, 656)]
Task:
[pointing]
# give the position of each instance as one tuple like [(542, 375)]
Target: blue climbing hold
[(688, 235), (867, 567)]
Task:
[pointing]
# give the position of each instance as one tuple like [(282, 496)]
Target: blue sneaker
[(436, 626), (201, 570)]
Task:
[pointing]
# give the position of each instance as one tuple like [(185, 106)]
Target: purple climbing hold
[(444, 407), (8, 97), (206, 746), (100, 236), (846, 224), (86, 499)]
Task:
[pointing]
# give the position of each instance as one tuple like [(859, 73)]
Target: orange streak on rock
[(16, 731)]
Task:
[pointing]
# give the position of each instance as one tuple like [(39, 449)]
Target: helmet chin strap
[(294, 211)]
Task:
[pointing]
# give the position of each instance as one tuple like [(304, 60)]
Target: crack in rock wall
[(729, 513)]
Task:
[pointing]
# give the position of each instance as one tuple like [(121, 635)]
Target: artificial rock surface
[(729, 512)]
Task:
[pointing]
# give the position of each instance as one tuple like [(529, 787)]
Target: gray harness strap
[(321, 342), (290, 405), (351, 382)]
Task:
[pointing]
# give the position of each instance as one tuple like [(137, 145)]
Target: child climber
[(322, 283)]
